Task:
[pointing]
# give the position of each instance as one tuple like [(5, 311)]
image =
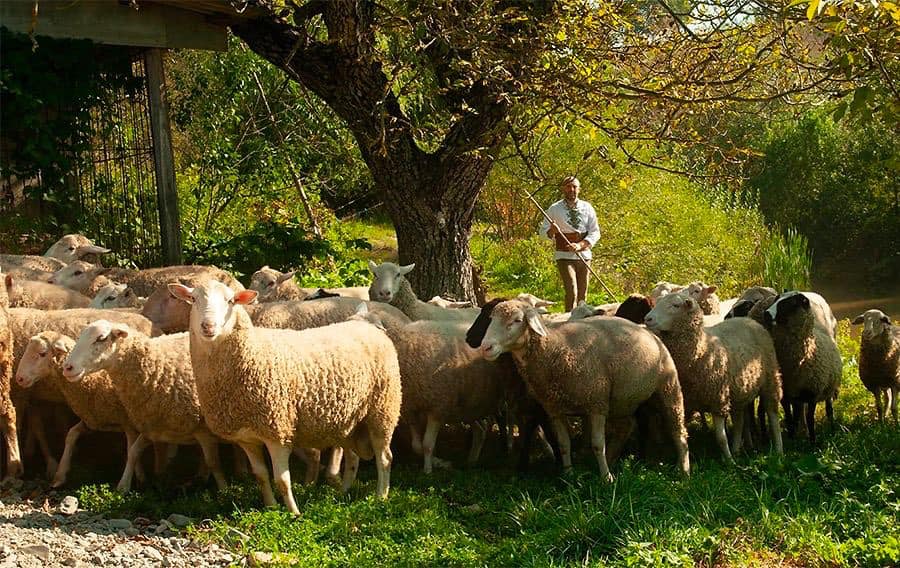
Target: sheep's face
[(875, 322), (584, 310), (212, 307), (387, 279), (267, 280), (664, 288), (96, 344), (76, 276), (115, 296), (511, 325), (73, 247), (44, 354), (534, 301), (787, 309), (670, 310), (698, 291)]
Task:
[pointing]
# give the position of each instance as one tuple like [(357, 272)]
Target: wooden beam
[(166, 190), (113, 23)]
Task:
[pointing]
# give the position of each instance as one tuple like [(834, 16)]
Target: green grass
[(835, 504)]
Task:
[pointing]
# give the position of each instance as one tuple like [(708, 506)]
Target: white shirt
[(559, 212)]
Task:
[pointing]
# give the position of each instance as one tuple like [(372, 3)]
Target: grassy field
[(830, 505)]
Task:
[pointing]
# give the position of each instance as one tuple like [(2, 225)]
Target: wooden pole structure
[(163, 159)]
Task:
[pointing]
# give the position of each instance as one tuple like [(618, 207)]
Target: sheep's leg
[(260, 471), (796, 413), (879, 409), (209, 445), (351, 467), (598, 443), (811, 421), (788, 418), (65, 463), (829, 411), (36, 424), (10, 434), (479, 433), (333, 467), (432, 428), (891, 395), (381, 444), (161, 457), (737, 430), (543, 442), (721, 437), (673, 415), (130, 436), (565, 443), (239, 461), (415, 439), (281, 458), (134, 454), (311, 457)]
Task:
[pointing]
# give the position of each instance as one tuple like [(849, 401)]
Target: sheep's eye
[(517, 320), (886, 320), (102, 338), (43, 354), (270, 284), (71, 248), (78, 273)]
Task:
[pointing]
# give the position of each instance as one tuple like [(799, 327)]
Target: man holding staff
[(574, 230)]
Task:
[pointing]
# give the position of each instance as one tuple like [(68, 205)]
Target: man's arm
[(593, 228)]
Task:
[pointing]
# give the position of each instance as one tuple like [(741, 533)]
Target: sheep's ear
[(245, 297), (9, 281), (372, 266), (362, 309), (266, 267), (886, 319), (534, 322), (543, 303), (119, 331), (407, 269), (181, 292), (59, 348), (90, 249), (285, 277), (710, 289), (858, 320)]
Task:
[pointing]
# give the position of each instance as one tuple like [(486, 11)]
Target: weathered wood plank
[(166, 192), (109, 22)]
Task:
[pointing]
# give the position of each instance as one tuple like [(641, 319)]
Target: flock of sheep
[(185, 355)]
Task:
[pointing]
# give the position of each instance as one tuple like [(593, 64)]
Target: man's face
[(570, 191)]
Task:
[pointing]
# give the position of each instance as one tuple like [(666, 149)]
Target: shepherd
[(572, 225)]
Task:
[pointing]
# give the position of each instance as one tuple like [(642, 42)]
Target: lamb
[(154, 380), (117, 296), (7, 408), (879, 359), (721, 368), (635, 308), (808, 355), (93, 399), (705, 296), (88, 279), (337, 385), (444, 381), (584, 310), (275, 286), (42, 296), (30, 263), (390, 286), (603, 368)]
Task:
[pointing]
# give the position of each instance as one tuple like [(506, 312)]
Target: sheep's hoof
[(58, 483), (609, 477), (442, 464)]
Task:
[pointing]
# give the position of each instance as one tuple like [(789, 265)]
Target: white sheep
[(879, 359), (390, 286), (722, 368), (7, 408), (444, 381), (603, 368), (337, 385), (154, 380), (42, 295), (445, 303), (93, 399), (67, 249), (115, 295), (663, 288), (275, 286), (88, 279)]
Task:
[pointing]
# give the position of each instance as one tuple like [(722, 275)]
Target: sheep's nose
[(207, 327), (21, 380), (648, 319), (68, 368), (384, 294)]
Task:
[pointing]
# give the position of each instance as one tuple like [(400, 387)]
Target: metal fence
[(116, 178)]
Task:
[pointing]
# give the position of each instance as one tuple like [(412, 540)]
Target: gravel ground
[(40, 529)]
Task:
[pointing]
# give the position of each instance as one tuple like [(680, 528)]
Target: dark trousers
[(575, 277)]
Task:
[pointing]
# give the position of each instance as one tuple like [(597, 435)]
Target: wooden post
[(166, 190)]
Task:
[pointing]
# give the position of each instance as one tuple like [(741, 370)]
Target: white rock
[(69, 505), (153, 553)]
